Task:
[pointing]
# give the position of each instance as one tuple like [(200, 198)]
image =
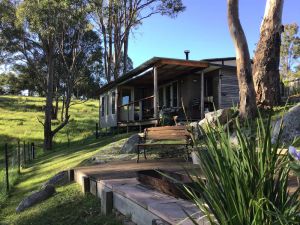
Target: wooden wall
[(229, 88)]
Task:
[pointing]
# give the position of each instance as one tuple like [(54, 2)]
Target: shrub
[(245, 184)]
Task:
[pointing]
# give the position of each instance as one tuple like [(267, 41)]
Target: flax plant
[(246, 184)]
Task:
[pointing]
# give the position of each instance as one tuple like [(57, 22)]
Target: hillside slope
[(18, 120)]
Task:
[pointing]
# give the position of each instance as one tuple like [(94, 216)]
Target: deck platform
[(144, 205)]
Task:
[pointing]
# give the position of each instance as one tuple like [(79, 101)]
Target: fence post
[(19, 157), (24, 153), (97, 131), (32, 150), (6, 167), (28, 152)]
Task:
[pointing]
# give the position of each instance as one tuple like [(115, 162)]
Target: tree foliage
[(289, 52), (115, 19), (56, 49)]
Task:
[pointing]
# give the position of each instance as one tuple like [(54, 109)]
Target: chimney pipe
[(187, 52)]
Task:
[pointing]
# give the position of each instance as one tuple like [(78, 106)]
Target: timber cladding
[(229, 88)]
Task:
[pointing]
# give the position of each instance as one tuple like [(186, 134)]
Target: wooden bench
[(158, 135)]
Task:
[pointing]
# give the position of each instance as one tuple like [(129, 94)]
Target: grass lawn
[(18, 120)]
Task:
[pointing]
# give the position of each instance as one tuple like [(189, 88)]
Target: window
[(113, 103), (102, 106), (126, 97), (161, 97), (168, 96), (175, 92), (107, 104)]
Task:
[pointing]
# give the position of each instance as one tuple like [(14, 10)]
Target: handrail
[(131, 103)]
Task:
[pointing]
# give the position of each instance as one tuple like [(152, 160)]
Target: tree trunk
[(125, 54), (110, 41), (267, 56), (55, 107), (62, 109), (48, 135), (247, 107)]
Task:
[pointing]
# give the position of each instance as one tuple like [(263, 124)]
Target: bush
[(245, 184)]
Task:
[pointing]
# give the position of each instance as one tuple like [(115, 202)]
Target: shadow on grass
[(39, 171), (68, 206), (13, 104)]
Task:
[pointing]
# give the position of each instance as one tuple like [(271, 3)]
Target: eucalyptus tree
[(247, 105), (57, 27), (115, 19), (289, 51), (267, 56), (41, 19), (20, 49), (264, 77)]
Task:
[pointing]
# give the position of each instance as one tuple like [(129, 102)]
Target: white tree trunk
[(247, 107)]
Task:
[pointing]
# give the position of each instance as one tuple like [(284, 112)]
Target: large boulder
[(291, 126), (60, 178), (212, 118), (221, 115), (36, 197), (130, 145)]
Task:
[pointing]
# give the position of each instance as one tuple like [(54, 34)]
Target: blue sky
[(202, 29)]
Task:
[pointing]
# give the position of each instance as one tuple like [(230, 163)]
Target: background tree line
[(65, 48)]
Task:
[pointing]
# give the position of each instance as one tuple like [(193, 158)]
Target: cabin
[(160, 84)]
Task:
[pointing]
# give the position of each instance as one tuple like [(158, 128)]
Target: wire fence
[(15, 157)]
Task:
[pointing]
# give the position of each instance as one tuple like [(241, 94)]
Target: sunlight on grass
[(44, 168), (18, 120)]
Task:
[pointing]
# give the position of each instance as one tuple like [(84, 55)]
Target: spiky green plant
[(245, 184)]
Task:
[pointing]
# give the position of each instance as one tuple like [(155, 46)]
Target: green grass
[(18, 120), (68, 206)]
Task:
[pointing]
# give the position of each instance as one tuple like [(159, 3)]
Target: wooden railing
[(132, 110)]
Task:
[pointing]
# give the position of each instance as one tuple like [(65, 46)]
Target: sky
[(202, 28)]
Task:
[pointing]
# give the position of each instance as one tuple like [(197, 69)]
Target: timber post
[(220, 89), (19, 157), (24, 153), (6, 167), (97, 131), (28, 151), (202, 95), (32, 150), (155, 94)]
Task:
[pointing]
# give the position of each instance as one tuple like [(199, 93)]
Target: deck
[(145, 205), (136, 123)]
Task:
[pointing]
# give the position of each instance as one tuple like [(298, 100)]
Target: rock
[(58, 179), (130, 145), (234, 139), (221, 115), (97, 160), (211, 118), (36, 197), (195, 129), (195, 157), (291, 126)]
